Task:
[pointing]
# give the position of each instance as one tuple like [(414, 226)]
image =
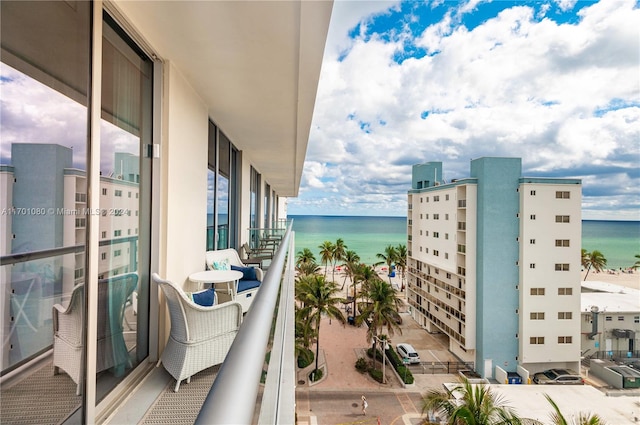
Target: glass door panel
[(43, 200), (123, 285)]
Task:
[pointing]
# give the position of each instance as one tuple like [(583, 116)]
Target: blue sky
[(556, 83)]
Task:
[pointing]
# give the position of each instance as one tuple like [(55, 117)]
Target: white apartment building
[(494, 263)]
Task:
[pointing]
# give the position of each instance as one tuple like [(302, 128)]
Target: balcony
[(246, 388)]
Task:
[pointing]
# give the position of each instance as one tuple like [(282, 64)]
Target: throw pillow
[(205, 298), (221, 265), (248, 273)]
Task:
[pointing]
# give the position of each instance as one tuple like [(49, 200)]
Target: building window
[(103, 255), (565, 315), (562, 194), (532, 265), (446, 216), (446, 197), (427, 199), (562, 219), (532, 216), (446, 255), (426, 216), (565, 291), (436, 199), (532, 241), (536, 340), (446, 236), (104, 234), (608, 318), (117, 233), (537, 291), (565, 339), (562, 267), (536, 315), (620, 318), (436, 252), (78, 273), (436, 216), (562, 242), (117, 253), (104, 191), (436, 234), (636, 319), (533, 193), (118, 193)]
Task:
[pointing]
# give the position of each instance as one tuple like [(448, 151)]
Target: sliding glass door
[(45, 74)]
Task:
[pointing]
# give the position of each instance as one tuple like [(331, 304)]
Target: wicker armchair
[(200, 337), (112, 353)]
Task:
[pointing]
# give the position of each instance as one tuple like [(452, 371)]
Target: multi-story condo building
[(494, 263), (135, 137)]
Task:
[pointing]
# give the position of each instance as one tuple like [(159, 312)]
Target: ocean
[(619, 241)]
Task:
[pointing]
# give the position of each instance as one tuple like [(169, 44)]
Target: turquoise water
[(619, 241)]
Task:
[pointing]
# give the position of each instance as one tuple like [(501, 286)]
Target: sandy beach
[(629, 280)]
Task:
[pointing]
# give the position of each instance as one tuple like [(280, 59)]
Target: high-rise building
[(494, 263)]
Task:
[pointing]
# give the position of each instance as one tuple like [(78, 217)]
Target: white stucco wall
[(184, 178)]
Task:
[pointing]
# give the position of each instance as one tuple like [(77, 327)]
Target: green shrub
[(362, 365), (405, 374), (305, 358), (315, 375), (376, 374)]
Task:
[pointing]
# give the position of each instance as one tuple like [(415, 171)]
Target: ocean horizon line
[(404, 216)]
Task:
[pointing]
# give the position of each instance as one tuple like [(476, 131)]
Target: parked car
[(406, 351), (558, 377)]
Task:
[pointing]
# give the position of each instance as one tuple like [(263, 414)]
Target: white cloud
[(557, 95)]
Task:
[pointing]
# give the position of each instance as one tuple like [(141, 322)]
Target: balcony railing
[(232, 398)]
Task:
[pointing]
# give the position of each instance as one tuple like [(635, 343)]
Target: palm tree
[(337, 255), (381, 309), (351, 260), (637, 263), (305, 256), (390, 255), (326, 254), (318, 298), (310, 268), (401, 262), (364, 274), (593, 259), (557, 418), (304, 335), (474, 406)]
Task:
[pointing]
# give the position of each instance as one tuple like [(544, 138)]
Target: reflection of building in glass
[(44, 206)]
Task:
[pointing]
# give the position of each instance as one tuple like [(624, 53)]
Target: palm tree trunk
[(317, 347), (588, 268)]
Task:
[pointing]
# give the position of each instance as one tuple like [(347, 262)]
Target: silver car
[(558, 377)]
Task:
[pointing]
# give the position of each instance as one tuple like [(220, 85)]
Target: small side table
[(219, 276)]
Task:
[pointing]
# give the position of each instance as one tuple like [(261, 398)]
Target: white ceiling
[(256, 64)]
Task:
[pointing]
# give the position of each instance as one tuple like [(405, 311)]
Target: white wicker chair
[(200, 337), (112, 352), (244, 291)]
